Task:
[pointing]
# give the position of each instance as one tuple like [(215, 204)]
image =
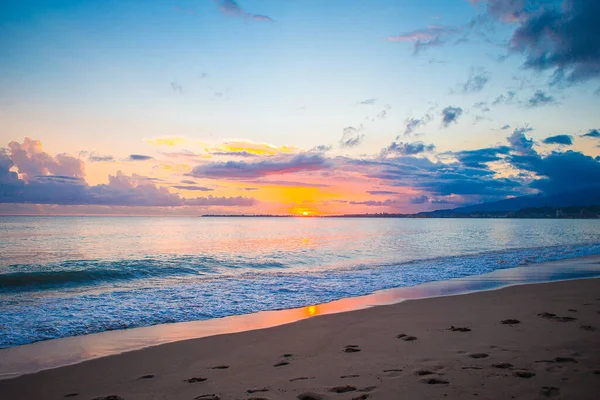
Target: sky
[(295, 107)]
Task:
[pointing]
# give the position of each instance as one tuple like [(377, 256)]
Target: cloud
[(380, 192), (560, 172), (520, 143), (505, 127), (250, 149), (419, 199), (167, 141), (59, 180), (375, 203), (540, 99), (177, 88), (450, 115), (368, 102), (188, 182), (477, 80), (246, 170), (231, 7), (321, 148), (401, 148), (507, 98), (100, 158), (593, 133), (566, 140), (564, 40), (29, 158), (352, 136), (139, 157), (422, 38), (413, 123), (478, 158), (193, 187)]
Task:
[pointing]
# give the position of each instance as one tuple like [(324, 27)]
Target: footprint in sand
[(524, 374), (207, 397), (220, 367), (111, 397), (281, 364), (423, 372), (352, 348), (342, 389), (572, 310), (556, 318), (195, 380), (146, 377), (510, 321), (367, 389), (363, 396), (479, 355), (349, 376), (287, 355), (459, 329), (302, 378), (435, 381), (550, 391), (588, 328), (250, 391), (71, 394), (312, 396), (502, 365), (406, 337), (257, 398)]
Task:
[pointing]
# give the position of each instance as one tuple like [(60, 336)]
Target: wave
[(25, 318), (86, 272)]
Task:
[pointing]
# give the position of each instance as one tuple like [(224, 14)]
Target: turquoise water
[(67, 276)]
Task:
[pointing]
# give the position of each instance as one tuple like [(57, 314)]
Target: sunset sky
[(294, 106)]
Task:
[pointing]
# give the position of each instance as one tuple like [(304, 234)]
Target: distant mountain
[(582, 198)]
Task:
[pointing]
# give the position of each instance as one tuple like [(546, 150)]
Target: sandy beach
[(530, 341)]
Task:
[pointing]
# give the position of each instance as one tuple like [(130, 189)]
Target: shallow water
[(68, 276)]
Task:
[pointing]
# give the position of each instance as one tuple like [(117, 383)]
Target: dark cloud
[(562, 38), (450, 115), (413, 123), (245, 170), (188, 182), (419, 199), (566, 140), (321, 149), (193, 187), (401, 148), (520, 143), (380, 192), (368, 102), (232, 8), (139, 157), (478, 158), (593, 133), (505, 127), (560, 172), (100, 158), (374, 203), (352, 136), (478, 78), (540, 98)]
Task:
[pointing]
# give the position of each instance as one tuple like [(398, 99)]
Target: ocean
[(69, 276)]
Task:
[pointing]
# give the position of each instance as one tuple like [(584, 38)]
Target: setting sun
[(305, 213)]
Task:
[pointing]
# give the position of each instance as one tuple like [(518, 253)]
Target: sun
[(305, 213)]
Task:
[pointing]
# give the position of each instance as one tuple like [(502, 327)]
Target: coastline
[(56, 353), (340, 310)]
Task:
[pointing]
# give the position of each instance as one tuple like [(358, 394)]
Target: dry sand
[(550, 348)]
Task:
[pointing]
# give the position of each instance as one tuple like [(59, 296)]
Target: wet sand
[(528, 342)]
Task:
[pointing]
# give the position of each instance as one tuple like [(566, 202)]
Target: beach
[(527, 341)]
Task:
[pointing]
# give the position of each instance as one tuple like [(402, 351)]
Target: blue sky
[(104, 77)]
